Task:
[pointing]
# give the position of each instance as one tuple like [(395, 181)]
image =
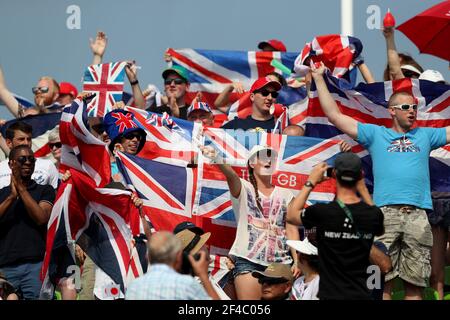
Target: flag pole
[(347, 17)]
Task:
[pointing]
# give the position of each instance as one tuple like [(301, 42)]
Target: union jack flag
[(210, 71), (106, 218), (106, 81), (81, 150), (367, 103), (169, 140)]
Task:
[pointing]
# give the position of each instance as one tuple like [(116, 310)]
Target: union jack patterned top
[(261, 236)]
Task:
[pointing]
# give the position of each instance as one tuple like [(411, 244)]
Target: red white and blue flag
[(106, 82), (81, 150), (108, 222), (367, 103), (210, 71)]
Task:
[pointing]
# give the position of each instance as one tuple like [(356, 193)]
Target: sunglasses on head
[(56, 144), (405, 107), (23, 159), (176, 80), (271, 281), (132, 135), (39, 89), (265, 93)]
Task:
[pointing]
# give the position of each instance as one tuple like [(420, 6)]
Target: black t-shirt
[(343, 257), (21, 239), (165, 108), (250, 123)]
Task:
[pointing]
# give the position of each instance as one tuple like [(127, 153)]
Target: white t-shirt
[(261, 236), (44, 173), (305, 291)]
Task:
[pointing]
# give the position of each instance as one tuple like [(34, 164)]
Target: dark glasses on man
[(405, 107), (132, 135), (176, 80), (56, 144), (265, 93), (23, 159), (271, 281), (39, 89)]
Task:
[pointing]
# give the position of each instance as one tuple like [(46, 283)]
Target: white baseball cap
[(304, 246), (432, 75), (257, 148), (410, 68)]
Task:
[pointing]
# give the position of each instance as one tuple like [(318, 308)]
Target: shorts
[(243, 266), (440, 216), (408, 238)]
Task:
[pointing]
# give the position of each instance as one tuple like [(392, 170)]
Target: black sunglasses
[(271, 281), (23, 159), (132, 135), (176, 80), (56, 144), (41, 89), (265, 93), (410, 74)]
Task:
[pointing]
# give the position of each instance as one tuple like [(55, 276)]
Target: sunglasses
[(23, 159), (271, 281), (176, 80), (39, 89), (56, 144), (410, 74), (132, 135), (265, 93), (405, 107)]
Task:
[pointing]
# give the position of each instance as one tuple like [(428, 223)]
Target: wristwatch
[(309, 184)]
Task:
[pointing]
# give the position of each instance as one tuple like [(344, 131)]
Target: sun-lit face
[(46, 93), (404, 118), (206, 118), (264, 163), (263, 99), (175, 85), (130, 142)]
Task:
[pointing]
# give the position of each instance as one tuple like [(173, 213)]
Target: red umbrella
[(430, 30)]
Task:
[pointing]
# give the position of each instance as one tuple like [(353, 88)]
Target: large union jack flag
[(106, 81), (210, 71), (367, 103), (108, 221)]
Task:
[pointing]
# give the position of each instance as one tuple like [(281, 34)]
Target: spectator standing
[(345, 229), (400, 157)]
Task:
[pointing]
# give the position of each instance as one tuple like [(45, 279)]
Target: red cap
[(68, 88), (274, 43), (262, 82)]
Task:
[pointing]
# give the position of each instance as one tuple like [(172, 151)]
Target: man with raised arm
[(400, 156)]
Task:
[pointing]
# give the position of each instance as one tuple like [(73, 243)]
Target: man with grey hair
[(163, 280)]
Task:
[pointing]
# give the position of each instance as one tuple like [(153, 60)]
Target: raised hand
[(317, 71), (317, 174), (345, 146), (98, 46), (131, 70)]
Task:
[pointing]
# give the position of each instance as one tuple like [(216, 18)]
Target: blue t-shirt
[(400, 163)]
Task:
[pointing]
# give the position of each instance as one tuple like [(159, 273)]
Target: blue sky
[(35, 40)]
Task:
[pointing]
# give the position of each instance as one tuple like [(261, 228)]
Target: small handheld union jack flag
[(106, 81)]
